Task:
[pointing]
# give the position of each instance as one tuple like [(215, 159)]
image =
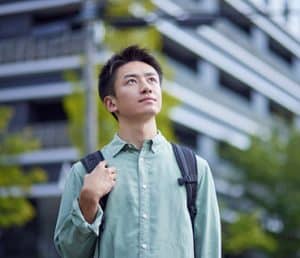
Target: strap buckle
[(186, 180)]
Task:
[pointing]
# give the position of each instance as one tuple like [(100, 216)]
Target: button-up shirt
[(146, 214)]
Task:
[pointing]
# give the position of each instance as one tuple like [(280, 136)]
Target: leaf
[(15, 209), (246, 233)]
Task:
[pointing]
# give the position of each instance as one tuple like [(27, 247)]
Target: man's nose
[(145, 87)]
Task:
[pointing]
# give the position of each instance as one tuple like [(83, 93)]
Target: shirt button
[(145, 216), (144, 246), (144, 186)]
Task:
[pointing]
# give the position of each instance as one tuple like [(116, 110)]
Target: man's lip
[(148, 98)]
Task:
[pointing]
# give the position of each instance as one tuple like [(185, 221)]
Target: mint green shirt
[(146, 214)]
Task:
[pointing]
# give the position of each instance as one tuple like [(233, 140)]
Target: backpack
[(186, 161)]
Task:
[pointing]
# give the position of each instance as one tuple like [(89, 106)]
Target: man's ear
[(110, 103)]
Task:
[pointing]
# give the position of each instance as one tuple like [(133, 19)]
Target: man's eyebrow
[(150, 74), (130, 75), (136, 75)]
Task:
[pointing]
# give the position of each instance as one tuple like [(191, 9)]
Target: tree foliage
[(269, 172), (15, 209), (246, 234)]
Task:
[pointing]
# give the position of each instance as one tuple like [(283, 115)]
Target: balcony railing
[(50, 135), (9, 1), (231, 33), (8, 7), (37, 48)]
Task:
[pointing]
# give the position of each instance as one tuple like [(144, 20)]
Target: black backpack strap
[(90, 162), (187, 163)]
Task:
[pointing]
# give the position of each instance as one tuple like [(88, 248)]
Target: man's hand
[(95, 185)]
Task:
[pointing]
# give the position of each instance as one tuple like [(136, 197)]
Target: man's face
[(137, 91)]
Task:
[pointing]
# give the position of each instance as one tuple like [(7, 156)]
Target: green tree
[(269, 173), (15, 209), (246, 234)]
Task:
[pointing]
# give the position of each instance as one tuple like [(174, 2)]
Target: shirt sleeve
[(74, 236), (207, 227)]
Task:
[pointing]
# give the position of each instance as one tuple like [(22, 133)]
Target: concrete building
[(233, 76)]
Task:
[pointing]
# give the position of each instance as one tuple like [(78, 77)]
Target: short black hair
[(131, 53)]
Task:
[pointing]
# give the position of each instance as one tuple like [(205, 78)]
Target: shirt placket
[(144, 244)]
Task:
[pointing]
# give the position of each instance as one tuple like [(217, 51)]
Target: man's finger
[(103, 164), (112, 170), (113, 176)]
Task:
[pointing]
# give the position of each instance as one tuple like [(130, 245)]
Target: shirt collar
[(157, 141), (118, 144)]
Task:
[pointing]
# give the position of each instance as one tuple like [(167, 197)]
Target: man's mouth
[(147, 99)]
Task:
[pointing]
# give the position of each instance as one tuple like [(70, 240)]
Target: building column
[(259, 39), (207, 148), (208, 5), (296, 67), (259, 101), (207, 74), (260, 104)]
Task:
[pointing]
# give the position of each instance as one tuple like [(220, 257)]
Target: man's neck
[(137, 133)]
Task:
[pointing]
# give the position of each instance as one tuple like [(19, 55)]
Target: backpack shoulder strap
[(186, 160), (89, 162)]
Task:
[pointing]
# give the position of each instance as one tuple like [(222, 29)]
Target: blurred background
[(231, 93)]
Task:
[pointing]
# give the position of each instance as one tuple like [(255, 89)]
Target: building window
[(281, 112), (47, 23), (280, 51), (239, 20), (30, 80), (186, 136), (180, 54), (234, 85), (43, 111), (14, 25)]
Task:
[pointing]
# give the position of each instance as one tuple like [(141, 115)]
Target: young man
[(146, 213)]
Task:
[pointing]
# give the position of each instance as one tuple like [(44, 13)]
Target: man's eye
[(131, 81), (152, 79)]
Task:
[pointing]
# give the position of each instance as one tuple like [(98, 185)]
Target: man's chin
[(148, 114)]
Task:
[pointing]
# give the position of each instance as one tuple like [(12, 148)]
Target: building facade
[(234, 77)]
